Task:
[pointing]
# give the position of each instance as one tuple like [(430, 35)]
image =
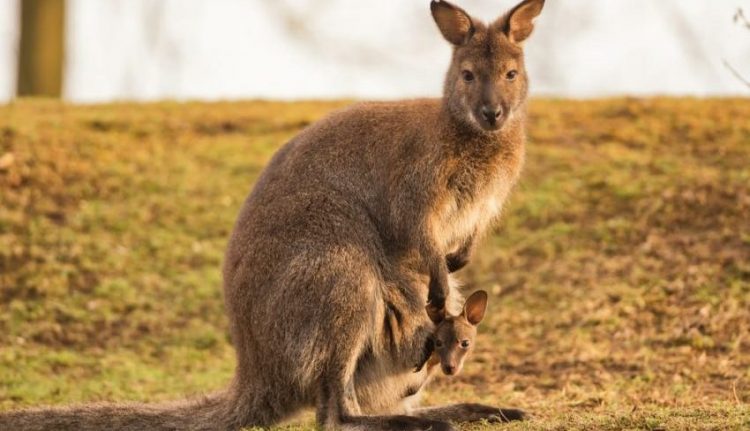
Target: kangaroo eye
[(511, 75), (467, 75), (465, 344), (438, 343)]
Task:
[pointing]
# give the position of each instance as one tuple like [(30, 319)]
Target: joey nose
[(492, 113), (449, 369)]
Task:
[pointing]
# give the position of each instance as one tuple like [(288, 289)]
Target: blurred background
[(98, 51)]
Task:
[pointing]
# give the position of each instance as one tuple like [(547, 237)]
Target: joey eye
[(465, 344), (467, 75), (511, 75), (438, 343)]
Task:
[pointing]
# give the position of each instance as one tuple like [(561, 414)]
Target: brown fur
[(327, 269)]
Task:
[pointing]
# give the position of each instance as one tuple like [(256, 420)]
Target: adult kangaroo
[(353, 225)]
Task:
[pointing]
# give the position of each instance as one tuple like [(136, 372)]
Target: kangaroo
[(454, 336), (348, 234)]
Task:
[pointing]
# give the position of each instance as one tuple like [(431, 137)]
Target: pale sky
[(292, 49)]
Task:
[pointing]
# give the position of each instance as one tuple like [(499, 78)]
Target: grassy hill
[(620, 275)]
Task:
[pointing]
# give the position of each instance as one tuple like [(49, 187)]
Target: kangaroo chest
[(469, 204)]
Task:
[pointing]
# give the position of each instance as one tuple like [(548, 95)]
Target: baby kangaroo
[(453, 338), (450, 345)]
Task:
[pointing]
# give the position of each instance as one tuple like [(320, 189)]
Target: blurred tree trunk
[(40, 63)]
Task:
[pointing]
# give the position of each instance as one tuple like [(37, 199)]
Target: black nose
[(491, 114), (449, 369)]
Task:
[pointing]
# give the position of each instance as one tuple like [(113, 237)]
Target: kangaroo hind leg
[(469, 412), (338, 411), (337, 404)]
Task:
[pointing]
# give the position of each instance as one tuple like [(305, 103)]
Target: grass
[(620, 275)]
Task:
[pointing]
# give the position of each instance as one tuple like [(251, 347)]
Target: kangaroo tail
[(209, 413)]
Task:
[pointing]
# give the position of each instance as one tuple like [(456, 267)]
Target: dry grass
[(620, 274)]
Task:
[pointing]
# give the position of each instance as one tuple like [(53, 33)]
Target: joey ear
[(436, 315), (455, 24), (519, 22), (475, 307)]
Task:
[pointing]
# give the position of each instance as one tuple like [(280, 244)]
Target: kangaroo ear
[(475, 307), (434, 314), (519, 22), (455, 24)]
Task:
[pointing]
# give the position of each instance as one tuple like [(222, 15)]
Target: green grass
[(620, 274)]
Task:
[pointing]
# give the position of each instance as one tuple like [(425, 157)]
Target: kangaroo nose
[(491, 114), (449, 369)]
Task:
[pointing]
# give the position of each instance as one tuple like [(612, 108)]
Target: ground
[(619, 275)]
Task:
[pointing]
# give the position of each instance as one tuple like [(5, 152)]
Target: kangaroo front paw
[(437, 293), (429, 348), (455, 262)]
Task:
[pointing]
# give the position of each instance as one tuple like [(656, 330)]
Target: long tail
[(210, 413)]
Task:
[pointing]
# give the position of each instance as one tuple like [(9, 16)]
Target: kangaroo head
[(454, 335), (486, 82)]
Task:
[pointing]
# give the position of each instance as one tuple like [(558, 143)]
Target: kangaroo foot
[(470, 412), (395, 423)]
